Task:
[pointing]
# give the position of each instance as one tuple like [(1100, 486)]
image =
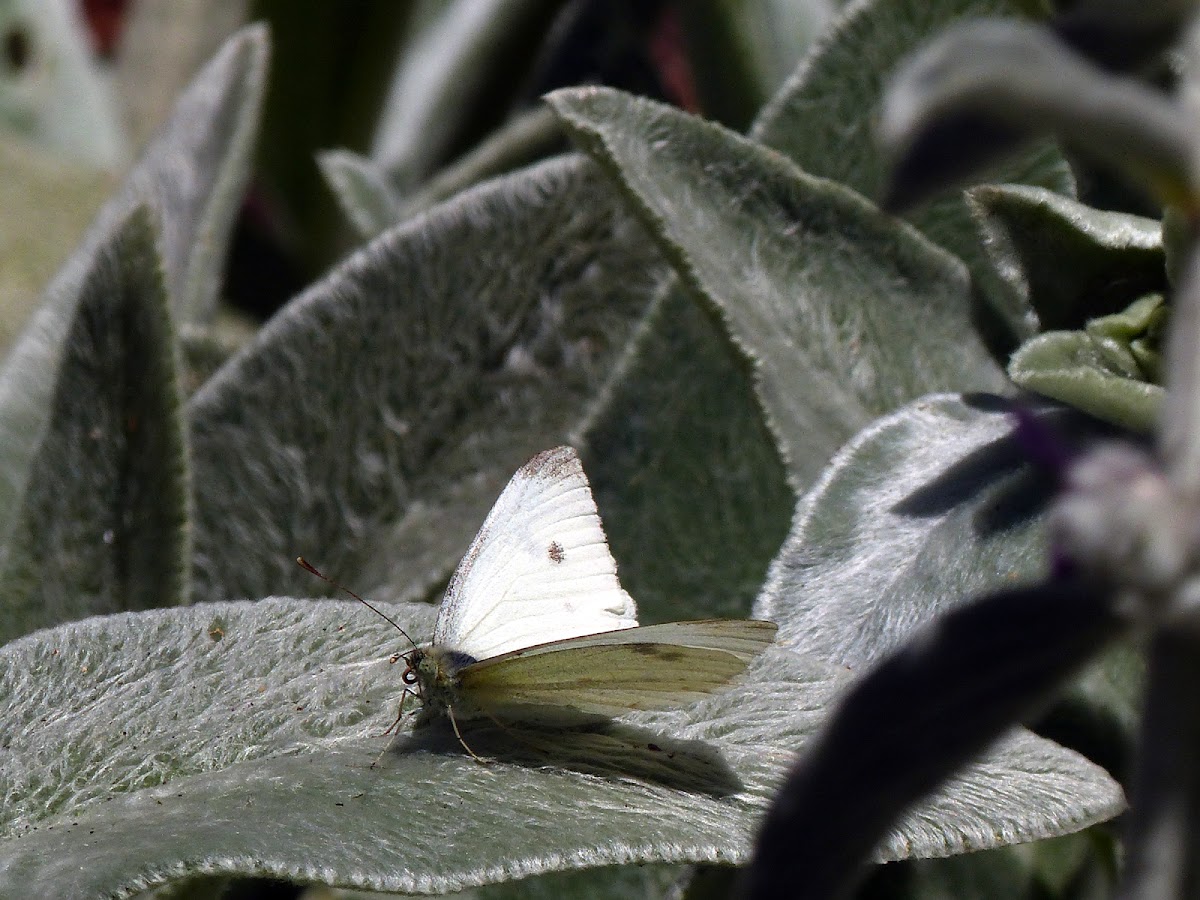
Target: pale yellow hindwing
[(652, 667)]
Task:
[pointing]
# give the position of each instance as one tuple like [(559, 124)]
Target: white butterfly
[(535, 627)]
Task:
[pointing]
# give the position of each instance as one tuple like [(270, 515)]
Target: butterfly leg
[(399, 715), (393, 729), (458, 734)]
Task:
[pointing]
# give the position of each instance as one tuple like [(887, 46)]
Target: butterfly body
[(536, 628), (434, 670)]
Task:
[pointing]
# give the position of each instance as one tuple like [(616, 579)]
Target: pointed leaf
[(191, 179), (236, 738), (362, 189), (829, 298), (448, 65), (825, 116), (524, 139), (194, 172), (370, 200), (376, 418), (1061, 261), (98, 504), (919, 716)]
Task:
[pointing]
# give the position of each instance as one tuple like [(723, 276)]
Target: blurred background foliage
[(414, 86)]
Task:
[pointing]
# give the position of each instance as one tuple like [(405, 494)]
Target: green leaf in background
[(844, 312), (739, 53), (96, 513), (693, 493), (205, 348), (825, 116), (1075, 865), (190, 179), (52, 91), (1102, 370), (447, 82), (369, 200), (924, 509), (375, 419), (237, 739), (362, 189), (194, 172), (1062, 262), (645, 880)]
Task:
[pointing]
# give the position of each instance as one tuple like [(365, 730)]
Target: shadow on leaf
[(605, 749)]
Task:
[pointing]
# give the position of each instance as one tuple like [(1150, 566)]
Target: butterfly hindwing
[(653, 667), (540, 568)]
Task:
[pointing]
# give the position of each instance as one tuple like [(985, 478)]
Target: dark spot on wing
[(555, 552), (658, 651)]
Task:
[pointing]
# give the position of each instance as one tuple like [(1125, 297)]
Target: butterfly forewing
[(540, 568), (654, 667)]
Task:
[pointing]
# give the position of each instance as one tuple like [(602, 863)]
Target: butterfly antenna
[(309, 567)]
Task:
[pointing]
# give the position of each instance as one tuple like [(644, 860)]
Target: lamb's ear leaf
[(362, 190), (963, 515), (825, 117), (193, 173), (237, 739), (190, 179), (451, 59), (827, 298), (1061, 262), (375, 419), (1097, 376), (96, 473), (372, 202), (682, 416)]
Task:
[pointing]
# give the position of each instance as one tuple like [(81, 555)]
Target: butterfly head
[(432, 674)]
